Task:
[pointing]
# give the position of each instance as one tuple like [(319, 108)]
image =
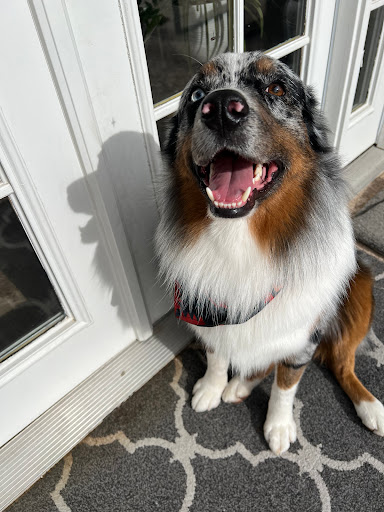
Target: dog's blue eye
[(197, 95)]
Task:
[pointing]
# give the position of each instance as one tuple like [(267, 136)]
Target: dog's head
[(246, 125)]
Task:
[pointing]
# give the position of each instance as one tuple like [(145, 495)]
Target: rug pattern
[(155, 453)]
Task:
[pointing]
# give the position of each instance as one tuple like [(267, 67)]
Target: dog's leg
[(208, 390), (239, 389), (368, 408), (339, 354), (279, 427)]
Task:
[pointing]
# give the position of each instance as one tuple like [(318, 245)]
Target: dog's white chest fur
[(227, 259), (226, 263)]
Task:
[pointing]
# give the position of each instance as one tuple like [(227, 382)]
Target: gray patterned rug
[(155, 453)]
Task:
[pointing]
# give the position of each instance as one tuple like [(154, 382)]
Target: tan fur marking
[(264, 65), (354, 318), (209, 68), (192, 203), (288, 377)]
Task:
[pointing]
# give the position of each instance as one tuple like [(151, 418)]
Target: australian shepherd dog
[(256, 240)]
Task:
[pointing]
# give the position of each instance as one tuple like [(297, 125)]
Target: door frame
[(350, 133), (97, 326)]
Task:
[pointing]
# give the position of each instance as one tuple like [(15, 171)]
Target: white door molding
[(350, 22), (353, 131), (129, 153), (57, 39)]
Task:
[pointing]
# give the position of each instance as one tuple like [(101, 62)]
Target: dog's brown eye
[(275, 89)]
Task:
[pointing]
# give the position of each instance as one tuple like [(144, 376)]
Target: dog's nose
[(224, 110)]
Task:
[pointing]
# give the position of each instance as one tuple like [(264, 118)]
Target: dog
[(256, 240)]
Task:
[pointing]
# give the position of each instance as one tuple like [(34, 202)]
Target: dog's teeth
[(216, 203), (239, 203), (245, 196), (210, 194), (221, 205), (233, 205), (258, 172)]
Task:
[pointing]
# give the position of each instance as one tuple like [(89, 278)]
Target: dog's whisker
[(188, 56)]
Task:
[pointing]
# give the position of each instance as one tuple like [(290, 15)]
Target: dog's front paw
[(237, 390), (280, 433), (206, 395), (372, 415)]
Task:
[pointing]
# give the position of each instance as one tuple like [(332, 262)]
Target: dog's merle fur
[(297, 234)]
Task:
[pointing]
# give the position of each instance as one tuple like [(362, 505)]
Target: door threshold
[(360, 173)]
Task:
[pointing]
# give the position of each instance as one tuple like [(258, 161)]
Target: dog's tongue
[(230, 177)]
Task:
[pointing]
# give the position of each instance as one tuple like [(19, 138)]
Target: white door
[(69, 296), (355, 98)]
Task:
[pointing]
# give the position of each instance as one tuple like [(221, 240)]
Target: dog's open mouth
[(233, 183)]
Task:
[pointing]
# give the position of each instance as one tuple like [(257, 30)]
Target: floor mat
[(154, 453)]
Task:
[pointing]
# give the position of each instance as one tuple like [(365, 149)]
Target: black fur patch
[(315, 337), (170, 146), (316, 128)]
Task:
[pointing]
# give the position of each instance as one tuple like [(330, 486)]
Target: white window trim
[(347, 126), (49, 253), (351, 20), (5, 190)]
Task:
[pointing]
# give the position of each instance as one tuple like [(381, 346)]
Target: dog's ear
[(170, 146), (314, 121)]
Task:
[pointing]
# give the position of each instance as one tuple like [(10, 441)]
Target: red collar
[(212, 314)]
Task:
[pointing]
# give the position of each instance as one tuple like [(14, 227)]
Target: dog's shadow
[(326, 412), (256, 405), (114, 210), (338, 395)]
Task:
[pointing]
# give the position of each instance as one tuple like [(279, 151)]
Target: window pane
[(375, 27), (293, 60), (268, 23), (28, 303), (176, 32)]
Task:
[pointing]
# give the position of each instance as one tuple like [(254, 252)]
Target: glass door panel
[(375, 28), (293, 60), (178, 36), (28, 303), (270, 23)]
